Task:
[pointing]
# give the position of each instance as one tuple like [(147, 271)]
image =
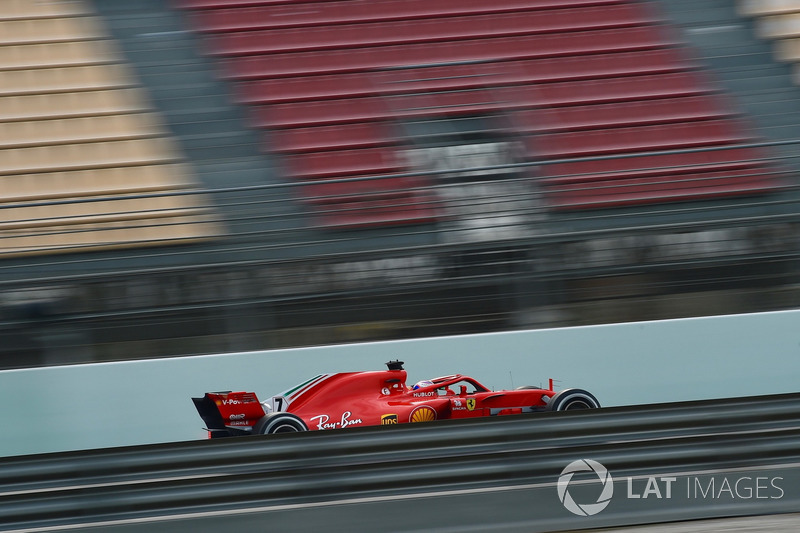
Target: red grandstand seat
[(652, 178), (603, 65), (305, 88), (360, 109), (358, 135), (638, 139), (654, 189), (256, 14), (221, 4), (351, 188), (628, 113), (574, 77), (721, 158), (369, 212), (320, 113), (376, 201), (365, 161), (347, 110), (461, 76), (491, 49), (426, 30), (597, 91), (449, 103)]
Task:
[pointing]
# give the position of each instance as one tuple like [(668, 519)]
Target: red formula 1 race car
[(356, 399)]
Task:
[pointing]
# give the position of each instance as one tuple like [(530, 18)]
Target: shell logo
[(423, 413)]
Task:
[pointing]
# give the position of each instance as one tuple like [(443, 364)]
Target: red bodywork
[(357, 399)]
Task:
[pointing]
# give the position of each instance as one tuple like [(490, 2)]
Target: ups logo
[(388, 419)]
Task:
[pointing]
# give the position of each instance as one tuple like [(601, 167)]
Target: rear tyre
[(279, 423), (572, 400)]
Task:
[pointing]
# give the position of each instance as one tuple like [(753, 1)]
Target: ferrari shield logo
[(471, 404), (388, 419)]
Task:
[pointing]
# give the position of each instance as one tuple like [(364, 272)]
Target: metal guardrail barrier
[(427, 463), (502, 256)]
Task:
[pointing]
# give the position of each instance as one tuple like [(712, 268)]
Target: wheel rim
[(285, 428), (574, 405)]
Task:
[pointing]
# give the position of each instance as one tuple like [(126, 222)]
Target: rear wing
[(229, 413)]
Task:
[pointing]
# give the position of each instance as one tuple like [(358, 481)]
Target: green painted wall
[(143, 402)]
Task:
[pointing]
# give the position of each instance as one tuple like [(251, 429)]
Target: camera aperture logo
[(590, 508)]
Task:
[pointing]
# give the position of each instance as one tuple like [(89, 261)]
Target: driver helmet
[(423, 383)]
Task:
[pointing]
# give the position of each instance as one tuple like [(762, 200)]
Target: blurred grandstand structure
[(221, 175)]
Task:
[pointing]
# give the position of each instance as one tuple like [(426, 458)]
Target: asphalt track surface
[(670, 464)]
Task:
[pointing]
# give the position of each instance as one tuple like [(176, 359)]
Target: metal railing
[(498, 257)]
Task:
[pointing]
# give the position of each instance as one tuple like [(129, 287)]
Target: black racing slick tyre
[(279, 423), (572, 400)]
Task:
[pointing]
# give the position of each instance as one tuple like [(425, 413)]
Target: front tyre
[(279, 423), (572, 400)]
